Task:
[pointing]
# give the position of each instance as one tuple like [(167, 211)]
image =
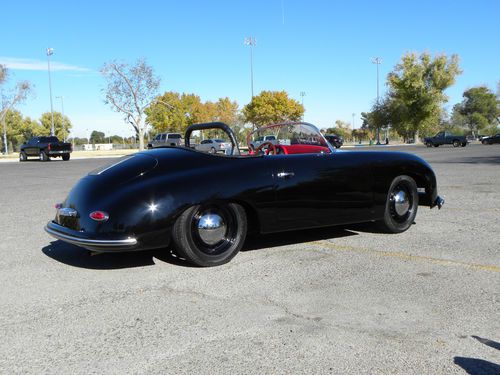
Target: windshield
[(290, 138)]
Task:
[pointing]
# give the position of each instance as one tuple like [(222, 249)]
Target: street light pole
[(377, 61), (50, 52), (302, 94), (62, 119), (250, 41)]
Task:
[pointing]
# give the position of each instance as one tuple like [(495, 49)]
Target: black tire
[(212, 150), (187, 238), (435, 145), (428, 144), (399, 216), (43, 156), (23, 156), (463, 144), (484, 142), (456, 143), (65, 157)]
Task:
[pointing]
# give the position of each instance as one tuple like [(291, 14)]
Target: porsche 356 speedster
[(202, 205)]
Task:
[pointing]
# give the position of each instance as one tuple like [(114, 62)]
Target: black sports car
[(203, 204), (491, 140)]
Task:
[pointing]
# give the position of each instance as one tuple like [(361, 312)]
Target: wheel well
[(252, 217), (421, 183)]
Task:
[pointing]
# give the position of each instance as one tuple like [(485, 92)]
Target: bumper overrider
[(90, 242), (439, 202)]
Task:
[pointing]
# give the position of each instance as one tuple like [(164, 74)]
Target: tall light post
[(302, 94), (377, 61), (252, 42), (62, 119), (50, 52)]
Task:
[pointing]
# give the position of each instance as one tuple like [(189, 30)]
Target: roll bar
[(213, 125)]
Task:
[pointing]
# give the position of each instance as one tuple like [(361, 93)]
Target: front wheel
[(456, 143), (401, 205), (210, 235), (212, 150), (23, 156), (463, 144), (428, 144)]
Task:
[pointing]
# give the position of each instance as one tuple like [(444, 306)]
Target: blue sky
[(320, 47)]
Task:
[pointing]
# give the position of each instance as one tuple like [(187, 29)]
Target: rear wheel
[(210, 235), (23, 156), (463, 144), (456, 143), (65, 157), (435, 145), (428, 144), (401, 205), (43, 156), (212, 150)]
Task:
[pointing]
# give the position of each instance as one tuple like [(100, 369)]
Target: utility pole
[(252, 42), (50, 52), (62, 119), (377, 61), (302, 94)]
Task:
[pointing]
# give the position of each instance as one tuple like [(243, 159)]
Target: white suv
[(166, 139)]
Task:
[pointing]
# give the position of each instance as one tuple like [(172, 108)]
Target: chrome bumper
[(63, 234)]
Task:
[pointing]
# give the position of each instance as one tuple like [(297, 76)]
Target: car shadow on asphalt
[(79, 257), (476, 366), (262, 241)]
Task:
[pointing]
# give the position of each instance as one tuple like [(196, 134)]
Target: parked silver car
[(213, 145), (166, 139)]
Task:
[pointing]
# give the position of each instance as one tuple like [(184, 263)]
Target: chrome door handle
[(285, 174)]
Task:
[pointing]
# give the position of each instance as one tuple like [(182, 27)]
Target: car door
[(32, 147), (314, 190)]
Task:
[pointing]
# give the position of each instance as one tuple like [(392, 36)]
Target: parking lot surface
[(346, 300)]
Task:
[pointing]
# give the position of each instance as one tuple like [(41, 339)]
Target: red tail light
[(49, 147), (99, 216)]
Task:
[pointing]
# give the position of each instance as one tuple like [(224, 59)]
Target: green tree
[(130, 90), (19, 129), (416, 91), (272, 107), (62, 126), (480, 107), (97, 137), (379, 117), (174, 112), (9, 100)]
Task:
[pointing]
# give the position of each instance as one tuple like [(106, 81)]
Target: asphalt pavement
[(346, 300)]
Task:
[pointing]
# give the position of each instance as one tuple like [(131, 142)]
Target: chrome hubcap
[(401, 203), (211, 228)]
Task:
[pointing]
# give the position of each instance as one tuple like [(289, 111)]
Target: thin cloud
[(32, 64)]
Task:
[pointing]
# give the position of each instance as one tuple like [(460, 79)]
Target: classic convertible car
[(204, 204)]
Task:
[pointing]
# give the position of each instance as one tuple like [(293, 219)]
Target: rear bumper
[(91, 243), (58, 152)]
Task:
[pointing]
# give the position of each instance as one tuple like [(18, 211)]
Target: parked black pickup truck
[(445, 138), (45, 148)]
